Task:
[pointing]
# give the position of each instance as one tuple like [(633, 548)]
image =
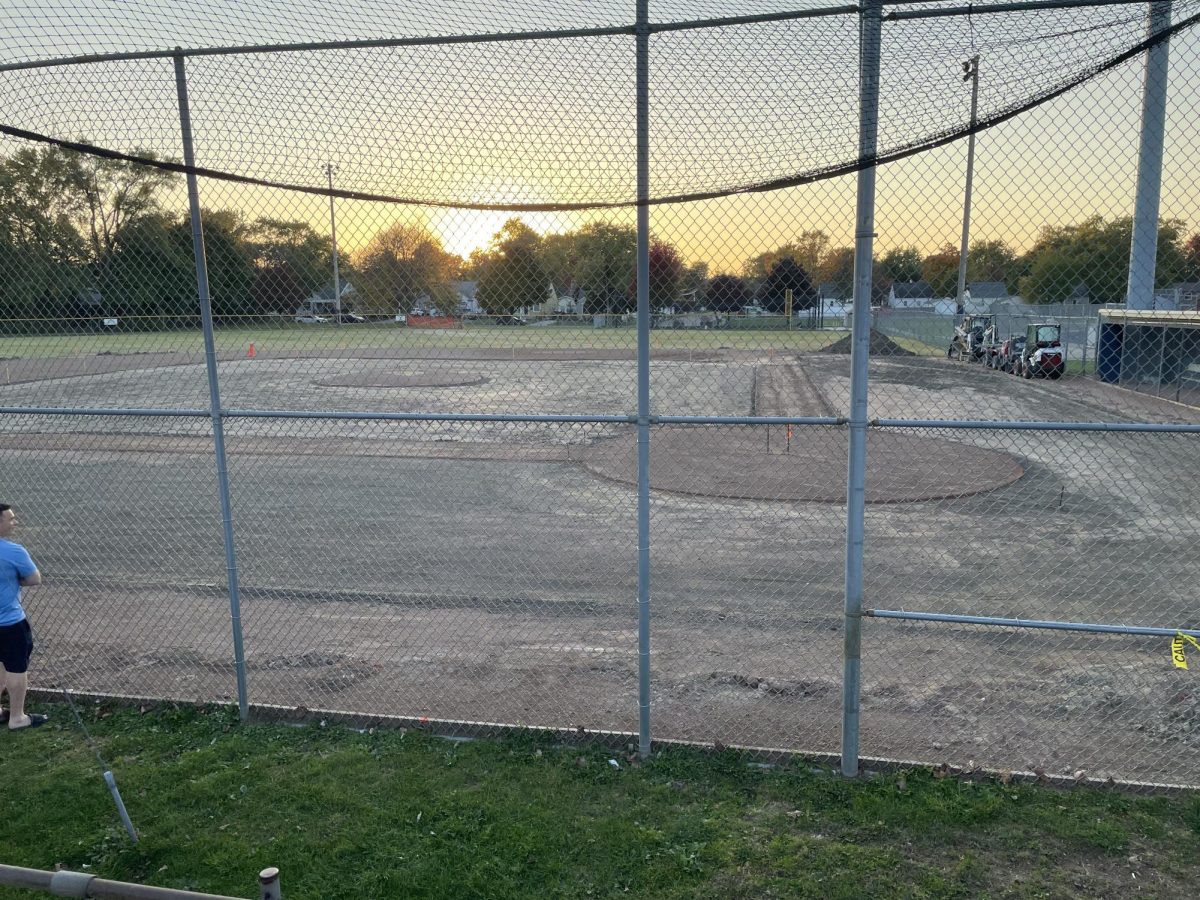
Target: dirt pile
[(881, 345)]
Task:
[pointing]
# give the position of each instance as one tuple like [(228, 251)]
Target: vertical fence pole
[(1144, 242), (214, 390), (643, 372), (972, 70), (337, 281), (870, 27)]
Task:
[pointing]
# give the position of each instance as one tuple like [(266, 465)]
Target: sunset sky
[(511, 130)]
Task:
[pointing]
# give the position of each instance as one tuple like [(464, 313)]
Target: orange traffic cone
[(251, 353)]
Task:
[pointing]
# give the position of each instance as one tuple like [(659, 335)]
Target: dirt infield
[(488, 571)]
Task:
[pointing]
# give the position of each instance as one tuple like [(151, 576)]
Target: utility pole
[(337, 283), (971, 74)]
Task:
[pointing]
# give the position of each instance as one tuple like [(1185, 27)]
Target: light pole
[(971, 74), (337, 284)]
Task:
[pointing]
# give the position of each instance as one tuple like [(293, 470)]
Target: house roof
[(988, 289), (912, 290), (831, 290), (466, 289), (326, 293)]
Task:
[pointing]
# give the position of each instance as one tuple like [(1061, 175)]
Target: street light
[(971, 74), (337, 284)]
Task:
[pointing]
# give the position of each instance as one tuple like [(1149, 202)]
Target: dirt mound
[(881, 345), (766, 463)]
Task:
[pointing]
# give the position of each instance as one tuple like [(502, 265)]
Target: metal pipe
[(421, 417), (583, 419), (214, 390), (101, 411), (643, 372), (437, 40), (1133, 427), (870, 33), (972, 67), (65, 883), (1027, 623), (1031, 5), (1143, 248), (337, 283), (748, 420)]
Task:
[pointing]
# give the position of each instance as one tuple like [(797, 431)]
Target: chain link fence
[(478, 372)]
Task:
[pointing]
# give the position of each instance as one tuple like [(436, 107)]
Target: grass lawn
[(291, 337), (404, 814)]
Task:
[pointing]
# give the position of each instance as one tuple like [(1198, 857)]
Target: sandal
[(34, 721)]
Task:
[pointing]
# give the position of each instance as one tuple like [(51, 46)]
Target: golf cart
[(1042, 354), (972, 336)]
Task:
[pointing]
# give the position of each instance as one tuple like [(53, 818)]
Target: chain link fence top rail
[(421, 227)]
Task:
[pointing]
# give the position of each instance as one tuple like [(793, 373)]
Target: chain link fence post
[(870, 32), (643, 373), (214, 389)]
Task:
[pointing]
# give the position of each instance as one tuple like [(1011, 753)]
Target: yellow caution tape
[(1177, 647)]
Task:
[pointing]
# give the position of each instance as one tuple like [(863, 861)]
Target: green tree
[(940, 269), (727, 293), (42, 256), (558, 253), (399, 264), (110, 195), (151, 273), (901, 264), (691, 288), (1093, 258), (787, 275), (666, 276), (230, 262), (511, 274), (291, 262), (992, 261), (1191, 259), (606, 258), (838, 269)]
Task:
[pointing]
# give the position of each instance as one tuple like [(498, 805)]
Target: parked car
[(310, 319), (511, 320), (349, 318)]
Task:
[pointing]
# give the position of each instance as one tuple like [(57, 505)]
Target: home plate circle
[(401, 378)]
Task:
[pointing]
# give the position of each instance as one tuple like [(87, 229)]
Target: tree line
[(82, 237)]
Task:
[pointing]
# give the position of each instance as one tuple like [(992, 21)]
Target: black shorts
[(16, 644)]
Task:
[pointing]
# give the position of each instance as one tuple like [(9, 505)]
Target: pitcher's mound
[(736, 462), (385, 378)]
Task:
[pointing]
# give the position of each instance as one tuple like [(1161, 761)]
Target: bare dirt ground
[(487, 572)]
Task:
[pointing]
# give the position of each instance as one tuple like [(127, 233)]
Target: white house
[(322, 302), (982, 295), (911, 295)]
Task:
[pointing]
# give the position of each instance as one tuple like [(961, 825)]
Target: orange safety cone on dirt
[(251, 353)]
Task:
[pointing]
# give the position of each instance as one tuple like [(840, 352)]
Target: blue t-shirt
[(15, 564)]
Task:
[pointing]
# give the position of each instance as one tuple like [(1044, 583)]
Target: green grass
[(289, 337), (395, 814)]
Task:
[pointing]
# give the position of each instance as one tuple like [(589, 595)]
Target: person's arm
[(31, 580)]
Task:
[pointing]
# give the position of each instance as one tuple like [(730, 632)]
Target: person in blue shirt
[(17, 570)]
